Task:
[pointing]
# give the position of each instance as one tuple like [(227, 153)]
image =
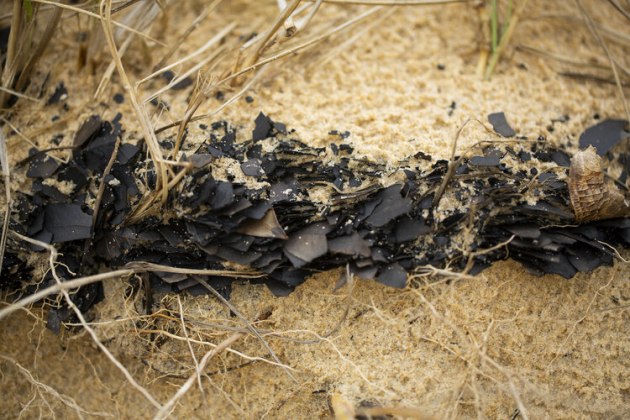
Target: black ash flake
[(605, 135), (381, 232), (500, 124)]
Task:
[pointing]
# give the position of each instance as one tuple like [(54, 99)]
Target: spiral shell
[(592, 196)]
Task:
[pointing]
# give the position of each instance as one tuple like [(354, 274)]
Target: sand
[(502, 343)]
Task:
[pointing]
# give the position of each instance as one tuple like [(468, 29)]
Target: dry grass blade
[(180, 40), (94, 15), (505, 40), (264, 41), (10, 68), (212, 41), (56, 288), (28, 68), (6, 174), (620, 8), (592, 27), (149, 135)]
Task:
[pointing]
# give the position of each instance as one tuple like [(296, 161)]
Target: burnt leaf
[(67, 222), (393, 275), (350, 245), (390, 206), (500, 124), (42, 166), (302, 248), (267, 227), (604, 135), (262, 127)]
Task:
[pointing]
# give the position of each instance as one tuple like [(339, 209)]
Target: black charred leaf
[(42, 166), (350, 245), (199, 160), (303, 248), (528, 230), (604, 135), (182, 84), (561, 158), (408, 229), (236, 256), (67, 222), (485, 160), (89, 128), (390, 206), (500, 124), (367, 272), (284, 191), (585, 259), (252, 167), (262, 127), (279, 127), (393, 275), (74, 174), (222, 195), (291, 276), (524, 156)]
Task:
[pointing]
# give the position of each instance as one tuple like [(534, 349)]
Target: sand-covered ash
[(287, 210)]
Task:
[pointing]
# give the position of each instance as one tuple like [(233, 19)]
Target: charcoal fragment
[(262, 127), (604, 135), (67, 222), (390, 205), (302, 248), (42, 166), (393, 275), (500, 124), (350, 245)]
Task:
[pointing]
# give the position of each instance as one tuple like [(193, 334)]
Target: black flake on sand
[(604, 135), (58, 95), (500, 124), (262, 127), (379, 232)]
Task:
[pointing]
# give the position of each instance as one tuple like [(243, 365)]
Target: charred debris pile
[(286, 210)]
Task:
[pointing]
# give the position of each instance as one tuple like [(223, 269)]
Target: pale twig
[(597, 293), (56, 288), (52, 260), (66, 400), (185, 74), (247, 323), (264, 41), (212, 41), (452, 166), (6, 174), (166, 409), (18, 94), (94, 15), (224, 105), (192, 352), (180, 40), (149, 134)]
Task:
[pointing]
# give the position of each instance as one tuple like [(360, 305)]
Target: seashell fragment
[(592, 196)]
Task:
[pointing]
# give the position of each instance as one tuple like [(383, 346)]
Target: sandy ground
[(495, 346)]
